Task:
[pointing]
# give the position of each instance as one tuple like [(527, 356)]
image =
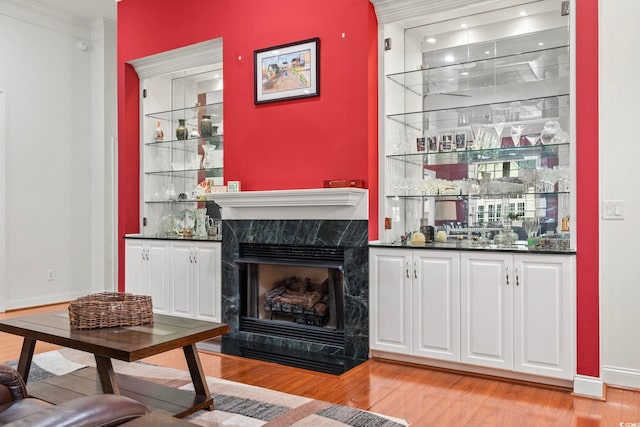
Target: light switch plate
[(613, 209)]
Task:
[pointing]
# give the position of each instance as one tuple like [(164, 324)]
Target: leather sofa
[(102, 410)]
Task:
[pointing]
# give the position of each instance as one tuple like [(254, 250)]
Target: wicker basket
[(109, 309)]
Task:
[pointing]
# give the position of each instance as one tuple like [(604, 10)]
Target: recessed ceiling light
[(464, 73), (523, 13), (463, 25), (540, 44), (486, 52), (449, 58), (431, 40)]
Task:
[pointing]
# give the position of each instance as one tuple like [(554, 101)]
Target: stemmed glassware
[(516, 133), (498, 125), (531, 226), (532, 139)]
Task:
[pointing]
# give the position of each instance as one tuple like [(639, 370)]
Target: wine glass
[(532, 139), (498, 125), (516, 133)]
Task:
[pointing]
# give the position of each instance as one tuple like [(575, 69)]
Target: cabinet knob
[(507, 270)]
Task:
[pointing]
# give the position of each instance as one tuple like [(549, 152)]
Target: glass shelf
[(190, 113), (486, 196), (177, 201), (503, 154), (178, 172), (516, 111), (172, 143), (462, 78)]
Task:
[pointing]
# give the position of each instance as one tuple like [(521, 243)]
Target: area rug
[(235, 404)]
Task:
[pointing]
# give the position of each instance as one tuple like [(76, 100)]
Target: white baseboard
[(45, 300), (588, 386), (623, 377)]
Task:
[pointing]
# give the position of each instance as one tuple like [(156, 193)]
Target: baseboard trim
[(473, 370), (623, 377), (588, 387), (48, 300)]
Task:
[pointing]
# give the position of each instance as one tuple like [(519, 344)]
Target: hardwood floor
[(423, 396)]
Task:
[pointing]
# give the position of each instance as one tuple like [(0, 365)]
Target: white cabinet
[(182, 277), (517, 312), (436, 304), (414, 302), (390, 283), (147, 271), (196, 279)]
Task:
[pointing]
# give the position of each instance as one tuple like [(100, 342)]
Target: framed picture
[(288, 71), (432, 143), (447, 142), (461, 140)]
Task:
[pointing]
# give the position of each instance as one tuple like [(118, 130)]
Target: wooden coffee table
[(129, 343)]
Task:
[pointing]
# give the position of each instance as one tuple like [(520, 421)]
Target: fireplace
[(295, 288), (293, 291)]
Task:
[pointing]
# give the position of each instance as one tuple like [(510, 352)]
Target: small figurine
[(159, 133)]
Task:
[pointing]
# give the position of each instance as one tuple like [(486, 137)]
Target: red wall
[(588, 257), (283, 145), (299, 144)]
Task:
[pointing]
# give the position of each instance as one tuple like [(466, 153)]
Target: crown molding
[(42, 15), (412, 11), (204, 53)]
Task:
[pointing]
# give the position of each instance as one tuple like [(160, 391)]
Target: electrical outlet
[(51, 275)]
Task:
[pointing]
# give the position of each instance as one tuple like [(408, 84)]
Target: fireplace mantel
[(316, 203)]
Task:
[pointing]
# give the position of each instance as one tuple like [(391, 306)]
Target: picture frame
[(287, 71), (446, 142), (432, 143), (461, 138)]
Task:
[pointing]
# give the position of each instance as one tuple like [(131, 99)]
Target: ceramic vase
[(206, 128), (181, 131)]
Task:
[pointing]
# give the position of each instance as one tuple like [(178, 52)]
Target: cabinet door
[(156, 281), (487, 309), (134, 262), (182, 260), (436, 304), (207, 282), (390, 300), (543, 315)]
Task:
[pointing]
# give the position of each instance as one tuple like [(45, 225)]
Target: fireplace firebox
[(295, 292)]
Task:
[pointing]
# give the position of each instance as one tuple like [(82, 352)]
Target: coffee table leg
[(197, 374), (106, 375), (24, 364)]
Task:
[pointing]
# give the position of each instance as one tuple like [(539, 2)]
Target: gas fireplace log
[(305, 301)]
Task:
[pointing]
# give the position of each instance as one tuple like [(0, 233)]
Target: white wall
[(619, 157), (55, 138)]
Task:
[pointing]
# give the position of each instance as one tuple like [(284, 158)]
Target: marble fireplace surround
[(334, 217)]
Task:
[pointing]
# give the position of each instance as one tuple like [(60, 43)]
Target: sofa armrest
[(13, 384), (101, 410)]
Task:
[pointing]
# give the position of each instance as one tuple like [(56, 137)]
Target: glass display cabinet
[(478, 129), (183, 148)]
